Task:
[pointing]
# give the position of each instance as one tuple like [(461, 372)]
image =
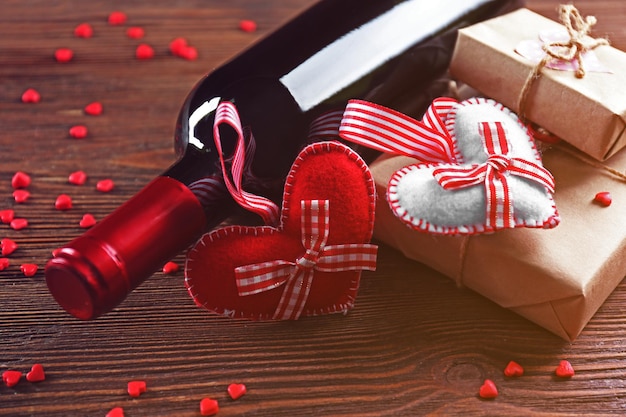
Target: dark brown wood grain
[(414, 345)]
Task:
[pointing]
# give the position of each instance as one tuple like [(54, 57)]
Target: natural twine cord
[(579, 42)]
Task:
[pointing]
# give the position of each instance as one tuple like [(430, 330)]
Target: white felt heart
[(495, 181)]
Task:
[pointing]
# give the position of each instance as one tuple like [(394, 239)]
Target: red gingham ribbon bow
[(297, 276), (493, 173)]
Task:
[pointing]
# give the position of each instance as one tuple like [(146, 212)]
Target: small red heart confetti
[(236, 391), (84, 30), (8, 246), (209, 407), (105, 185), (18, 224), (11, 378), (170, 267), (29, 270), (177, 45), (63, 55), (247, 25), (136, 388), (87, 221), (4, 263), (77, 178), (63, 202), (93, 109), (144, 51), (603, 198), (189, 53), (20, 180), (116, 412), (135, 32), (7, 216), (78, 131), (21, 196), (513, 369), (36, 373), (564, 370), (488, 390), (116, 18), (31, 96)]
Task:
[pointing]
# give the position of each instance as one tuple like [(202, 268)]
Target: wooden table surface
[(414, 345)]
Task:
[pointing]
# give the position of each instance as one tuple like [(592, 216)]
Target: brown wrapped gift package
[(557, 278), (589, 113)]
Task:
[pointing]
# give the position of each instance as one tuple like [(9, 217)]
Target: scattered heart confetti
[(4, 263), (177, 45), (247, 25), (116, 412), (488, 390), (36, 373), (564, 370), (117, 18), (93, 109), (513, 369), (603, 198), (135, 32), (31, 96), (144, 51), (63, 55), (29, 270), (84, 30), (209, 407), (18, 224), (189, 53), (77, 178), (136, 388), (236, 391), (87, 221), (63, 202), (170, 267), (20, 180), (7, 216), (105, 185), (8, 246), (11, 378), (21, 196), (78, 131)]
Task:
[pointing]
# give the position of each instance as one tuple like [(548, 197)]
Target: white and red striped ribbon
[(492, 173), (296, 277), (226, 114), (390, 131)]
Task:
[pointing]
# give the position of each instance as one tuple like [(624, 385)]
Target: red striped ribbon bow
[(297, 277), (493, 174), (226, 113), (390, 131)]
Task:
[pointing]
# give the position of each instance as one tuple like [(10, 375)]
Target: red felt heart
[(488, 390), (36, 373), (136, 388), (564, 370), (236, 390), (513, 369), (326, 171), (11, 378)]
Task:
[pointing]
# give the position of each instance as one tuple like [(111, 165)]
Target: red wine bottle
[(388, 51)]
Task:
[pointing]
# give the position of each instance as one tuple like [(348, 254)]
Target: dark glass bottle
[(387, 51)]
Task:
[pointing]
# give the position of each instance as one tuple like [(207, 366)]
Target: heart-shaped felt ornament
[(478, 171), (311, 263)]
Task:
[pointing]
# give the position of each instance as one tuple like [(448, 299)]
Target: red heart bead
[(324, 171), (8, 246), (236, 391), (488, 390), (20, 180), (31, 96), (63, 202), (209, 407), (78, 131), (136, 388), (63, 55), (87, 221), (29, 270), (18, 224), (6, 216), (603, 198), (4, 263), (170, 267), (21, 196), (93, 109), (105, 186), (116, 412), (513, 369), (36, 373), (11, 378), (77, 178), (83, 30), (144, 51), (564, 370)]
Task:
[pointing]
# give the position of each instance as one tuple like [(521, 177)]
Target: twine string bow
[(297, 277)]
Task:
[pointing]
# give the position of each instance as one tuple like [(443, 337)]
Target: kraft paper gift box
[(587, 112), (557, 278)]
